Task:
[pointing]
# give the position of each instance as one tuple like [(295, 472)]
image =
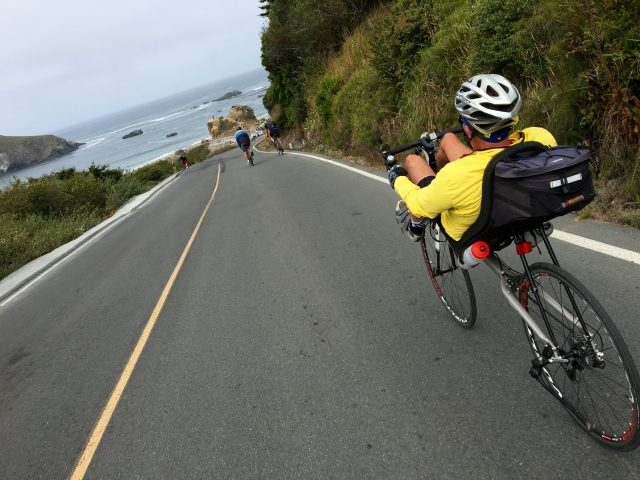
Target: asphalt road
[(301, 339)]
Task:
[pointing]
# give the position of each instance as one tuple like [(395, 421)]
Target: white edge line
[(600, 247), (605, 248)]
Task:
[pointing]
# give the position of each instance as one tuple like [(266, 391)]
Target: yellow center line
[(90, 448)]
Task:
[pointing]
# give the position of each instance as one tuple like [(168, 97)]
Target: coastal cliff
[(21, 152)]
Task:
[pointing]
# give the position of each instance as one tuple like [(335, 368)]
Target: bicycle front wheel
[(453, 284), (598, 383)]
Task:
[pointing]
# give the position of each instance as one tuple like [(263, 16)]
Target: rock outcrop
[(239, 115), (135, 133), (216, 126), (21, 152)]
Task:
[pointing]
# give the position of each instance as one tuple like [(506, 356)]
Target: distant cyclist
[(273, 134), (185, 161), (244, 142)]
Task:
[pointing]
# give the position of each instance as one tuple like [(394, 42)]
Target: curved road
[(300, 340)]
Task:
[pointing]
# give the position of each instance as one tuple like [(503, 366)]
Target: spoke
[(613, 410), (603, 376), (595, 410)]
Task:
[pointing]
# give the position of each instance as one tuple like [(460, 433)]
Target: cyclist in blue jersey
[(244, 142)]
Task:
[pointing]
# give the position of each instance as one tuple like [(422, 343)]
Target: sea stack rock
[(135, 133), (231, 94)]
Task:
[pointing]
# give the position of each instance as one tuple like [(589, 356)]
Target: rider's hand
[(395, 172)]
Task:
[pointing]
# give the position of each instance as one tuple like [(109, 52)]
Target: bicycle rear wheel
[(453, 284), (599, 383)]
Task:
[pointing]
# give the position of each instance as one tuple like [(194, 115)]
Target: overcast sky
[(68, 61)]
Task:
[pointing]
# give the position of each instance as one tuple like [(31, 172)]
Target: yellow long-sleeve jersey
[(456, 192)]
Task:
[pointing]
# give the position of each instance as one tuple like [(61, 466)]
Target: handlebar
[(426, 142)]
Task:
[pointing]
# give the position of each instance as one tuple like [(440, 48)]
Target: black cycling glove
[(395, 172)]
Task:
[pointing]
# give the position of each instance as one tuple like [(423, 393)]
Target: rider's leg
[(418, 170), (451, 148)]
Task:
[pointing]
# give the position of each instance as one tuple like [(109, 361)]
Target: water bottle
[(474, 254)]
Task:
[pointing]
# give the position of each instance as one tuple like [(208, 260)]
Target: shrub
[(327, 89), (119, 193), (408, 29), (199, 154), (495, 23), (359, 109), (85, 193), (65, 173), (154, 172), (103, 172), (23, 239)]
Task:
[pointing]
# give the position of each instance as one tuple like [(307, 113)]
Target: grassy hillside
[(390, 69)]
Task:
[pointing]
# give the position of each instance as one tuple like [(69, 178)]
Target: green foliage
[(118, 193), (496, 22), (103, 172), (409, 28), (154, 172), (359, 110), (85, 192), (199, 154), (327, 89), (65, 173), (23, 239), (299, 36)]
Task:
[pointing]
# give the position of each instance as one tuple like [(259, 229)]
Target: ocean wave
[(166, 117), (153, 120), (91, 143)]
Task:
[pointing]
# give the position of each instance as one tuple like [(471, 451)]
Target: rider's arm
[(427, 202)]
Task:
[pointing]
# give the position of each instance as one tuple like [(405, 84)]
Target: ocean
[(185, 113)]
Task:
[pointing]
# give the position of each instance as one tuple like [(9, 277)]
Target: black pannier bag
[(528, 184)]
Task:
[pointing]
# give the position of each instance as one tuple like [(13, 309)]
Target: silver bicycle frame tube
[(494, 264)]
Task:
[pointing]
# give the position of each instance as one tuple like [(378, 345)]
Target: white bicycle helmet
[(489, 103)]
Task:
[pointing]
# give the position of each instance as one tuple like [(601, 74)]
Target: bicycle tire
[(584, 383), (453, 284)]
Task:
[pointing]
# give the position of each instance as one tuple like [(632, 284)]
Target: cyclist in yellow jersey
[(488, 106)]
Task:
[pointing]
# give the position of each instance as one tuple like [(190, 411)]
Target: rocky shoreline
[(21, 152)]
